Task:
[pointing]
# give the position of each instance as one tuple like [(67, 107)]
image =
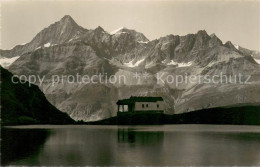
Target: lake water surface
[(131, 145)]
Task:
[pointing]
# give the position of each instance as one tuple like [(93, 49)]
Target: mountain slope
[(24, 104), (128, 52), (57, 33)]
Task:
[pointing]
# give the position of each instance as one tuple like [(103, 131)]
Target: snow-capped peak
[(236, 46), (117, 30)]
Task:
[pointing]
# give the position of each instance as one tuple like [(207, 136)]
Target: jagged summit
[(67, 20), (66, 17), (202, 35), (99, 29), (214, 41), (119, 41), (229, 45), (202, 32), (213, 35), (57, 33)]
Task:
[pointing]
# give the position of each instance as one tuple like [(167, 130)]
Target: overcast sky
[(236, 21)]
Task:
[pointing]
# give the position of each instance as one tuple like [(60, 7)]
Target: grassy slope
[(243, 115)]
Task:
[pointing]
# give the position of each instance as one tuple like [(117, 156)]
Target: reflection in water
[(138, 146), (202, 145), (213, 148), (20, 143), (131, 135), (125, 136)]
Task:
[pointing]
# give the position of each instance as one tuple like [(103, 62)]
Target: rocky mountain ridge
[(64, 48)]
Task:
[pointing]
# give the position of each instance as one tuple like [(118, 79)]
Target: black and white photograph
[(130, 83)]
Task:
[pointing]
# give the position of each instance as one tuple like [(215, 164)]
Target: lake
[(201, 145)]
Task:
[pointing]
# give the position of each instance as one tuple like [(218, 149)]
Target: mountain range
[(65, 48)]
